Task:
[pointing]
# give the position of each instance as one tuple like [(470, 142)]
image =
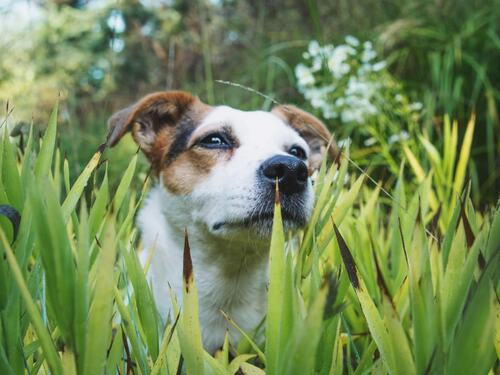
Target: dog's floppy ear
[(312, 130), (156, 113)]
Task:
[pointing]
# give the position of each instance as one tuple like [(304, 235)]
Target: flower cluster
[(348, 82)]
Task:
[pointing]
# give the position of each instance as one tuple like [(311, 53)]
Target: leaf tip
[(347, 258), (187, 263), (276, 194)]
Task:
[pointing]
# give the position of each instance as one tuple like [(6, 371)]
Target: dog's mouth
[(263, 221), (258, 218)]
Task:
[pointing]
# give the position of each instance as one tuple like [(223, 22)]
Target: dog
[(217, 169)]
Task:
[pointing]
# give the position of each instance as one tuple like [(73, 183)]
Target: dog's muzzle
[(293, 180)]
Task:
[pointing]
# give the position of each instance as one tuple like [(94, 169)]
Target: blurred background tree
[(100, 55)]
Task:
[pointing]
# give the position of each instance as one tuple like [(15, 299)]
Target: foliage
[(346, 82), (446, 51), (397, 276), (371, 285), (102, 55), (349, 85)]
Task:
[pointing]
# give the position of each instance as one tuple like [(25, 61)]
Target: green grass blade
[(276, 291), (43, 335), (146, 306), (101, 308), (189, 329), (376, 325), (301, 358), (82, 288), (163, 354), (464, 156), (10, 175), (255, 347), (124, 185), (473, 350), (44, 160), (98, 210), (76, 191)]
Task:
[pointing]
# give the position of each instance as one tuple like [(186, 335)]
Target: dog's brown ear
[(118, 125), (312, 130), (153, 119)]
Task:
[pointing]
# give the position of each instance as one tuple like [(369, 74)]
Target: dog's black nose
[(290, 172)]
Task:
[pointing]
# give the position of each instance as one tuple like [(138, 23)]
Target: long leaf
[(276, 290), (38, 325), (44, 160), (76, 191)]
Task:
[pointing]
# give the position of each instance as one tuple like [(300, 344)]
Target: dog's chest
[(242, 295), (242, 298)]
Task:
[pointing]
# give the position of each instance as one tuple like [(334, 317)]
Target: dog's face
[(222, 164)]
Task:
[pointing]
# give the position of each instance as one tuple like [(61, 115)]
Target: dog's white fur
[(230, 261)]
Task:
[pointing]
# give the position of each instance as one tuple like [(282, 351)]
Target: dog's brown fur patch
[(155, 110), (189, 169)]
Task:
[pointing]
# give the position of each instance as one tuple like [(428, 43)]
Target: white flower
[(353, 41), (327, 50), (353, 100), (403, 136), (340, 102), (379, 66), (352, 115), (368, 55), (317, 63), (417, 106), (365, 69), (329, 112), (345, 49), (370, 142), (315, 96), (311, 93), (314, 48), (337, 61), (318, 102), (365, 106), (399, 98), (343, 69), (329, 89), (359, 87), (304, 75)]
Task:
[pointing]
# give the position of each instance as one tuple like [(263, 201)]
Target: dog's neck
[(229, 273)]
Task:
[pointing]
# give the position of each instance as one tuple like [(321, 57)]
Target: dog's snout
[(290, 172)]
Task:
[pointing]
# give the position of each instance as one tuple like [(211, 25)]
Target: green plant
[(446, 53), (371, 285), (349, 84)]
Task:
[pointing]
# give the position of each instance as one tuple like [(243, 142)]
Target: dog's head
[(222, 164)]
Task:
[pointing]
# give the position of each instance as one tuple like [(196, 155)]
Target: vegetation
[(397, 271), (99, 56), (397, 285)]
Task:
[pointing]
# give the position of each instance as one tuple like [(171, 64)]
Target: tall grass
[(400, 282)]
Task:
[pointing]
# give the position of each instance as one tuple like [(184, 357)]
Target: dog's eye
[(298, 152), (215, 140)]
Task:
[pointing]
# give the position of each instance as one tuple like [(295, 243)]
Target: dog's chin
[(259, 224)]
